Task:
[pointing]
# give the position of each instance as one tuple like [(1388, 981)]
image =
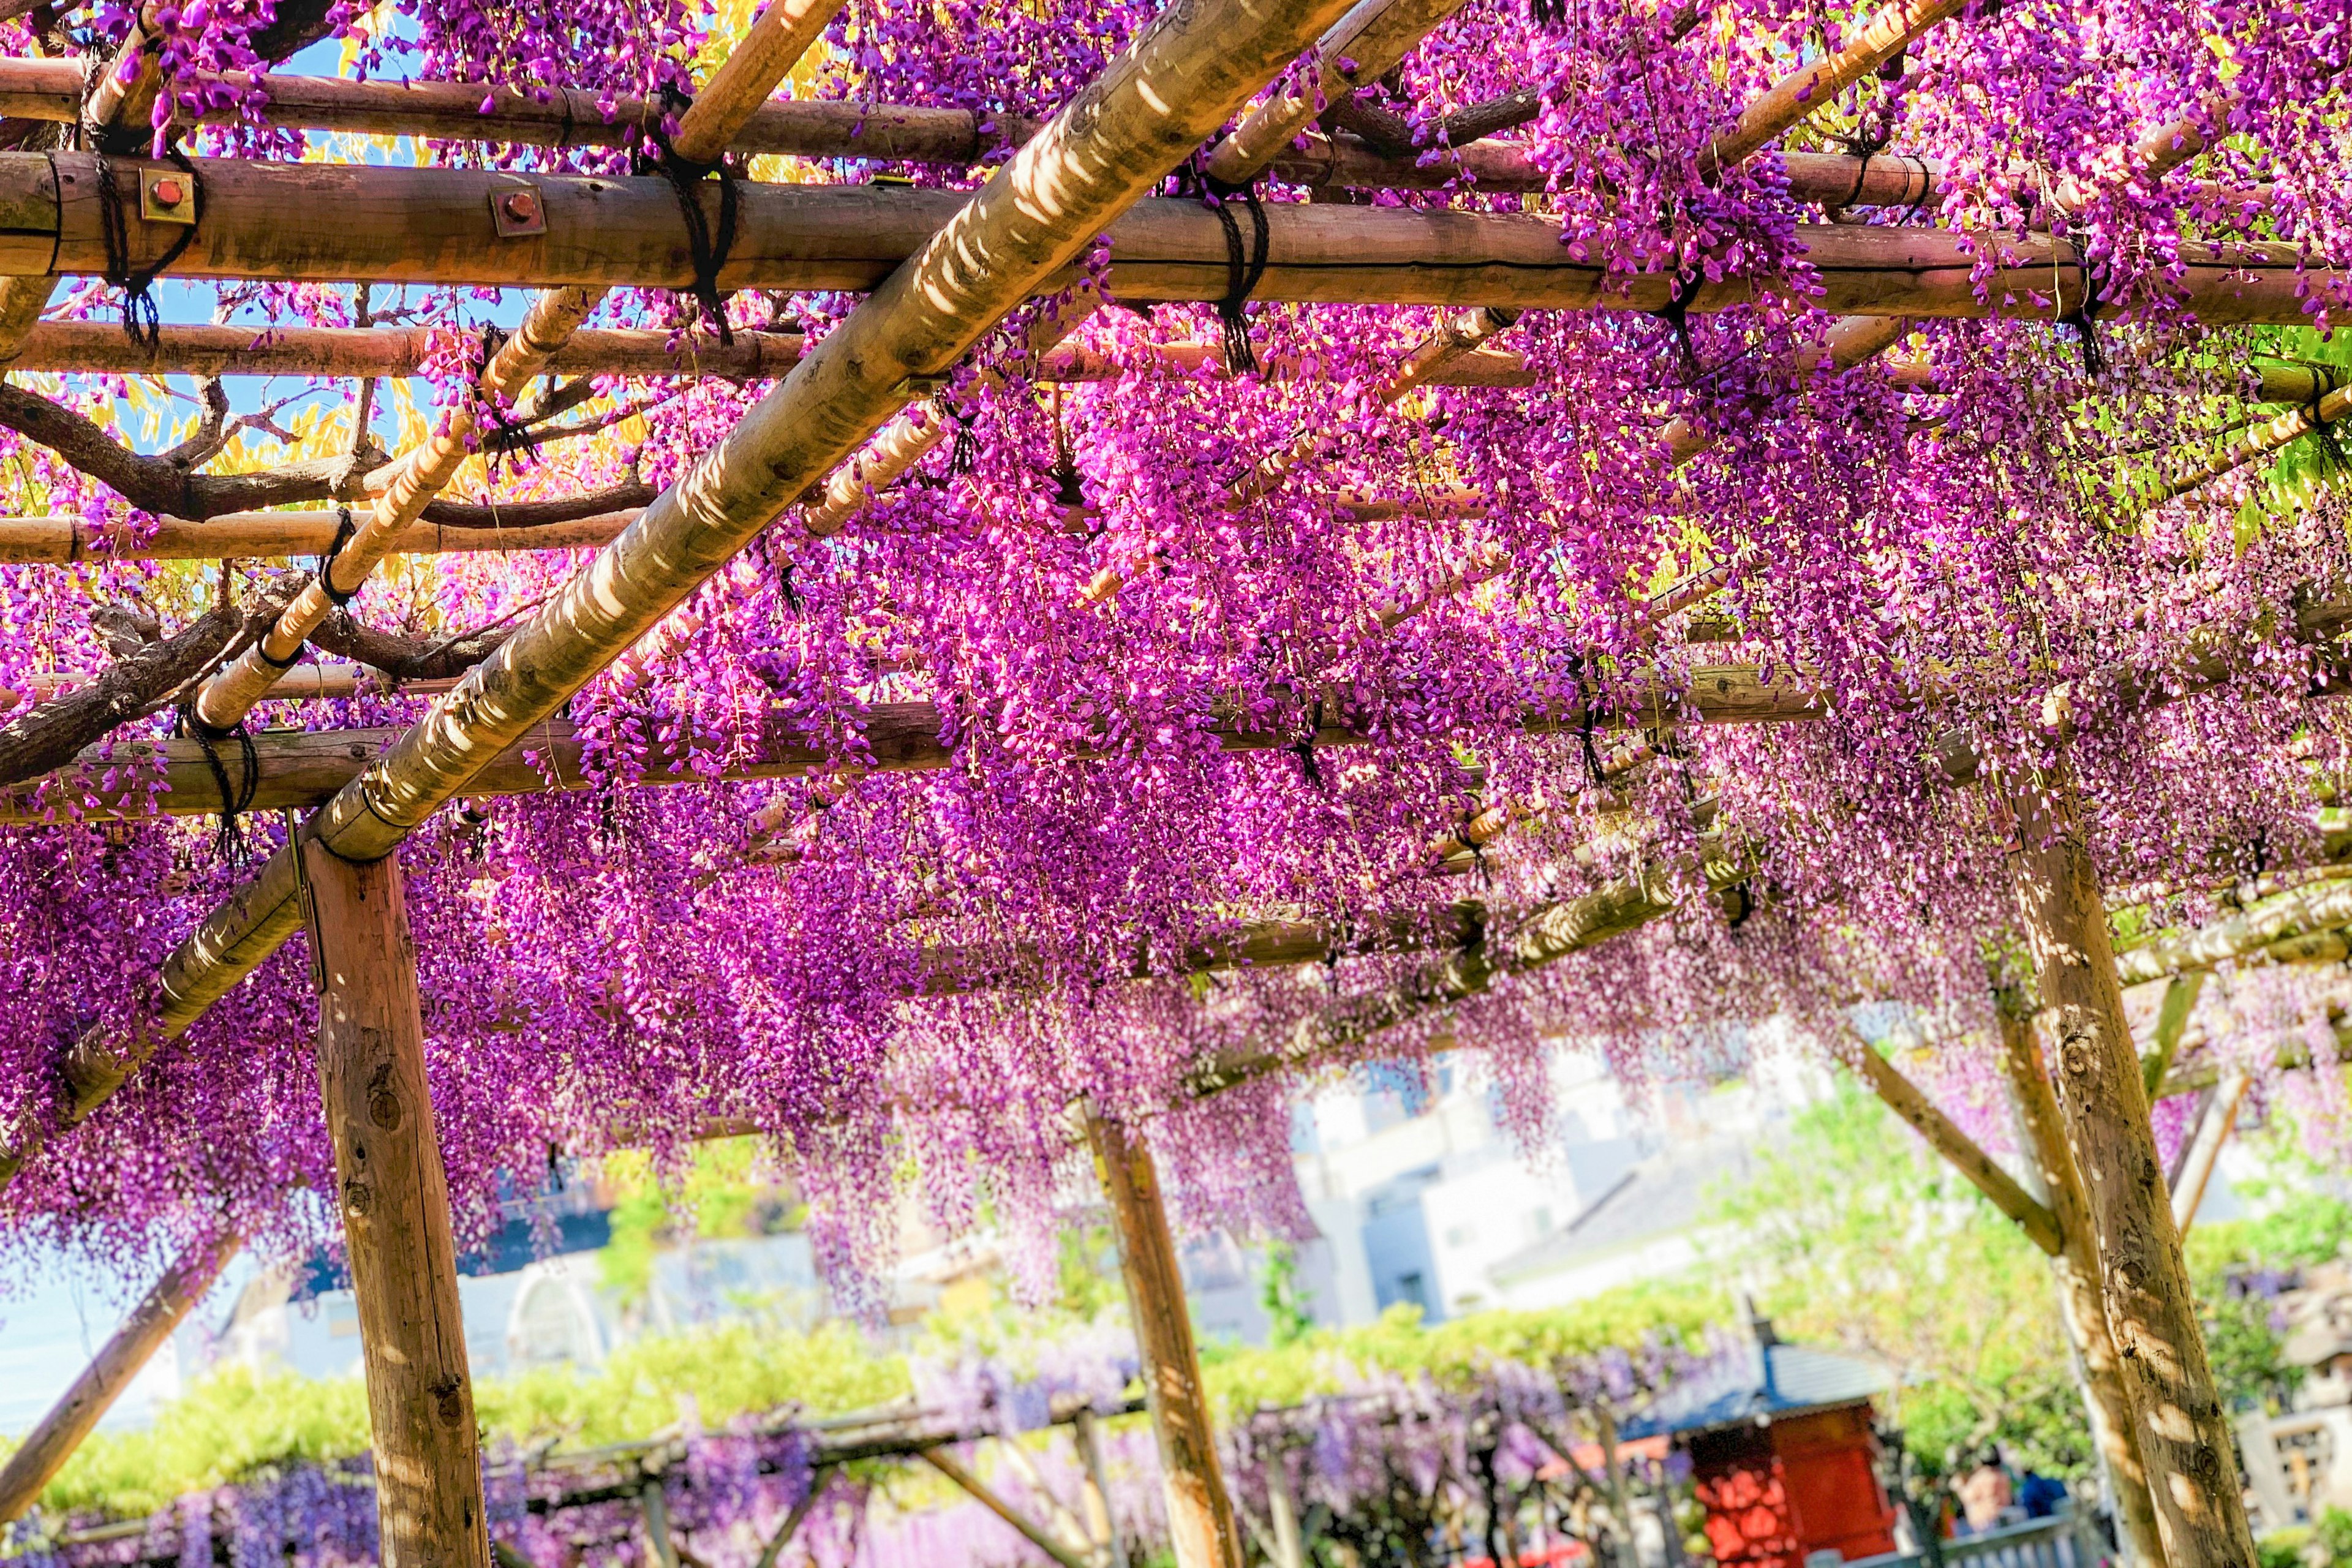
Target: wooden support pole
[(2197, 1170), (1200, 1511), (2185, 1436), (2180, 993), (1172, 88), (1102, 1529), (819, 1479), (2115, 1429), (1036, 1535), (1983, 1172), (48, 1446), (334, 222), (260, 535), (393, 1197)]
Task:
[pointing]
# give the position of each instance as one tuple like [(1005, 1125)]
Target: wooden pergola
[(848, 416)]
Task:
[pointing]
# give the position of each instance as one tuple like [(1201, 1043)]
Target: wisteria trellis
[(624, 965)]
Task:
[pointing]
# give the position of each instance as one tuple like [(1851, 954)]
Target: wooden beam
[(1201, 1520), (2197, 1172), (102, 348), (1030, 1530), (777, 38), (2184, 1434), (254, 535), (1173, 86), (1958, 1150), (392, 1195), (331, 223), (2115, 1429), (51, 1442)]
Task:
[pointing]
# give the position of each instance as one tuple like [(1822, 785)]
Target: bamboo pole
[(259, 535), (1172, 88), (1367, 41), (99, 348), (392, 1195), (2115, 1429), (1201, 1520), (2184, 1434), (2220, 1119), (48, 1446), (766, 55), (315, 222)]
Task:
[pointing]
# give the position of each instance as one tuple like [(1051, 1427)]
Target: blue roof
[(1759, 1382)]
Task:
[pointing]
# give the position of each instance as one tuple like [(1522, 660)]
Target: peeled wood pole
[(1370, 39), (2115, 1429), (393, 1197), (48, 1446), (2221, 1117), (1174, 84), (337, 222), (2185, 1436), (767, 54), (260, 535), (2038, 1222), (102, 347), (1201, 1519)]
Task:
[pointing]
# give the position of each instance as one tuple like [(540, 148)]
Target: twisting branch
[(167, 484), (47, 737), (404, 659)]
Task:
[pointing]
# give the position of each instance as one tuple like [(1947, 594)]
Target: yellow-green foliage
[(1241, 1377), (233, 1424), (721, 1190)]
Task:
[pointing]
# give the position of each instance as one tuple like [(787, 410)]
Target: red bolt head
[(170, 191), (521, 207)]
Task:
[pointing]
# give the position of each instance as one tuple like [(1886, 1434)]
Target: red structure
[(1784, 1454), (1778, 1490)]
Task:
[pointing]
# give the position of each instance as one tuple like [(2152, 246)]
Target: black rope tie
[(1305, 750), (964, 453), (1746, 905), (1244, 265), (1675, 313), (339, 597), (2331, 449), (508, 439), (143, 323), (2081, 318), (1584, 723), (228, 843), (709, 247)]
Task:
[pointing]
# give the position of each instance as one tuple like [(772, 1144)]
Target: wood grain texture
[(2115, 1429), (1201, 1523), (333, 223), (392, 1194), (2185, 1436), (48, 1446)]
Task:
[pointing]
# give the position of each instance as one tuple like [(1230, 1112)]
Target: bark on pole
[(393, 1197), (49, 1445), (2185, 1436), (1200, 1519), (2115, 1427)]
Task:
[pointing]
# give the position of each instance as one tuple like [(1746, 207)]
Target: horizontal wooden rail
[(262, 535), (330, 222), (102, 348)]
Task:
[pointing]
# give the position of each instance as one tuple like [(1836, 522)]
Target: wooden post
[(1200, 1511), (2115, 1429), (2197, 1170), (1102, 1529), (2185, 1438), (49, 1445), (394, 1199)]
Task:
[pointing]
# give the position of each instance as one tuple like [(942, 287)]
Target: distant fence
[(2061, 1541)]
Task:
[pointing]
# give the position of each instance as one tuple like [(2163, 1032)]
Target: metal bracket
[(518, 211), (167, 196)]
